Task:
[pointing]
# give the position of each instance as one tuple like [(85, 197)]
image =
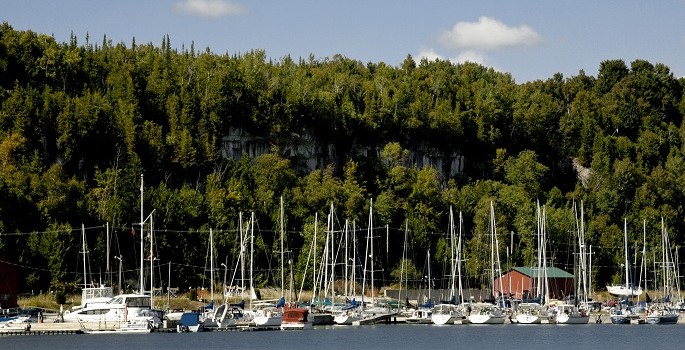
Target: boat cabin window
[(138, 302), (116, 300), (94, 312)]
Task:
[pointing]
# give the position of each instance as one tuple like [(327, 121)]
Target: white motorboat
[(118, 309), (93, 296), (144, 322)]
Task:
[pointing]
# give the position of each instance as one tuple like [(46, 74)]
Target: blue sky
[(529, 39)]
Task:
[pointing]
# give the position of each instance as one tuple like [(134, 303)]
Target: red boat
[(294, 318)]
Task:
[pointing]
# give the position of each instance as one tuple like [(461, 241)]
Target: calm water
[(422, 337)]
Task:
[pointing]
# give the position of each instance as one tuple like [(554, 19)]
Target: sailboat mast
[(252, 293), (354, 258), (373, 294), (282, 262), (643, 268), (347, 292), (242, 256), (332, 256), (404, 256), (211, 264), (324, 262), (366, 257), (589, 272), (499, 266), (585, 264), (539, 262), (109, 277), (452, 255), (428, 261), (152, 259), (625, 247), (576, 256), (544, 251), (142, 216), (677, 274), (492, 248), (461, 293), (664, 258), (85, 276), (316, 223)]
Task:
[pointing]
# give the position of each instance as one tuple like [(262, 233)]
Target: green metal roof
[(552, 272)]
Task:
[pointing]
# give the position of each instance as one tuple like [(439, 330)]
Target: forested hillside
[(81, 121)]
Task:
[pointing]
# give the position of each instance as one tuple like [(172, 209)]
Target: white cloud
[(429, 54), (486, 34), (470, 56), (466, 56), (209, 8)]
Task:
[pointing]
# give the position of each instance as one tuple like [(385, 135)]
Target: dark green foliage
[(79, 124)]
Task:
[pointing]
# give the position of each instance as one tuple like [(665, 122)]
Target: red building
[(522, 282), (8, 285)]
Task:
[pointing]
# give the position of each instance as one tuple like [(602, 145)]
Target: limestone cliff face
[(308, 154), (582, 173)]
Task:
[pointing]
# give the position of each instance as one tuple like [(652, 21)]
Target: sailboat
[(486, 313), (353, 311), (532, 312), (293, 317), (270, 315), (571, 313), (248, 316), (451, 313), (362, 313), (663, 313), (229, 315), (625, 290), (206, 318), (624, 316), (319, 315), (424, 313)]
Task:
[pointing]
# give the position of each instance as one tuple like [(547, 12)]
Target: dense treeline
[(79, 124)]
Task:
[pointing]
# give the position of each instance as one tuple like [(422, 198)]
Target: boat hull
[(486, 319), (566, 319), (443, 319), (295, 326), (267, 321), (528, 319), (419, 320), (295, 319), (663, 319), (620, 319), (321, 319), (622, 290), (346, 319), (117, 331)]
